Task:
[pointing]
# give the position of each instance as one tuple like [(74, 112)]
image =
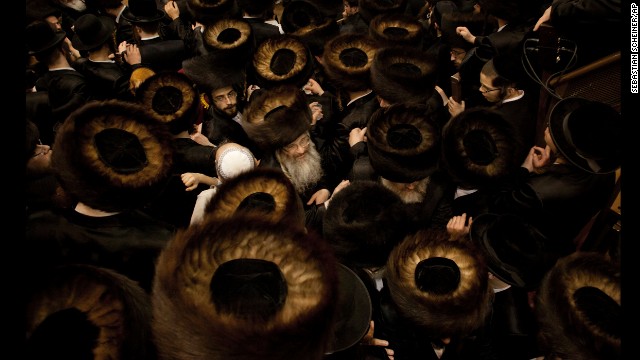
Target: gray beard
[(303, 173), (409, 196)]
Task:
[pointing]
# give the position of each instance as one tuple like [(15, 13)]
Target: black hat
[(256, 7), (347, 60), (396, 29), (403, 142), (516, 252), (76, 311), (369, 9), (403, 74), (41, 37), (264, 192), (142, 11), (478, 147), (233, 288), (363, 222), (172, 98), (40, 10), (440, 284), (578, 308), (230, 40), (282, 59), (92, 31), (112, 155), (276, 117), (587, 133), (211, 72), (209, 11)]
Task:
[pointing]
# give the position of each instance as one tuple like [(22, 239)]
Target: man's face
[(298, 149), (225, 100), (413, 192), (491, 93), (457, 55)]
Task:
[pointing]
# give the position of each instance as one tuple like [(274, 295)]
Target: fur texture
[(229, 40), (391, 29), (344, 75), (188, 326), (209, 73), (372, 8), (283, 59), (82, 171), (209, 11)]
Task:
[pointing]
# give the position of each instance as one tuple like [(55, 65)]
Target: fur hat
[(80, 311), (265, 192), (369, 9), (439, 283), (578, 307), (209, 11), (282, 59), (276, 117), (479, 148), (138, 76), (516, 252), (209, 72), (363, 222), (112, 155), (142, 11), (347, 61), (329, 9), (92, 31), (396, 29), (232, 288), (230, 40), (588, 134), (172, 98), (403, 74), (304, 20), (256, 7), (403, 142), (41, 37)]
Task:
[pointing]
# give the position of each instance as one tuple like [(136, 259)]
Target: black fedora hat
[(516, 252), (588, 134), (142, 11), (41, 37), (92, 31)]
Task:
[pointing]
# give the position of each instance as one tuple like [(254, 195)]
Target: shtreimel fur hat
[(112, 155), (282, 59), (439, 283), (395, 29), (244, 290), (229, 40), (276, 117), (209, 11), (211, 72), (347, 61), (369, 9)]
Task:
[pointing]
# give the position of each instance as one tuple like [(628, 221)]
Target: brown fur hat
[(266, 192), (403, 142), (439, 283), (172, 98), (369, 9), (276, 117), (210, 73), (403, 74), (112, 155), (364, 222), (229, 40), (208, 11), (87, 312), (282, 59), (206, 283), (394, 29), (479, 148), (256, 7), (347, 61), (304, 20), (578, 307)]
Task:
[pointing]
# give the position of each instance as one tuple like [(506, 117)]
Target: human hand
[(456, 226), (319, 197), (455, 107), (357, 135), (316, 112), (172, 10), (540, 157), (546, 16), (466, 34), (343, 184), (190, 180), (132, 54), (201, 139), (313, 87), (368, 339)]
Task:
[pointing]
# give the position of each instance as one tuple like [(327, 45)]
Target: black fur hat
[(578, 307), (588, 134), (233, 288), (403, 74), (439, 283), (403, 142), (112, 155), (347, 61), (80, 311), (172, 98), (209, 11), (397, 29), (478, 148), (282, 59), (229, 40), (363, 222), (265, 192), (211, 72), (276, 117), (369, 9)]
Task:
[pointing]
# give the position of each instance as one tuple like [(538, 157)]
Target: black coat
[(68, 90), (163, 55), (106, 80)]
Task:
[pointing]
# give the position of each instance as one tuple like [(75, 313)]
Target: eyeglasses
[(303, 143), (486, 89), (457, 52), (231, 95)]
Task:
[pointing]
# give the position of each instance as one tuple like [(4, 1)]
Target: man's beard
[(304, 172), (230, 111), (408, 196)]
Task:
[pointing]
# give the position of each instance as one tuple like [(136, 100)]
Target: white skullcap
[(234, 161)]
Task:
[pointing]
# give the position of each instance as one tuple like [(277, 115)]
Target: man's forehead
[(222, 91)]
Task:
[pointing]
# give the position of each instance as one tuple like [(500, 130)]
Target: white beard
[(77, 5), (304, 173), (408, 196)]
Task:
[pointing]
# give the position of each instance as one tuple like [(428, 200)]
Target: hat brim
[(58, 38), (132, 18), (108, 27)]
